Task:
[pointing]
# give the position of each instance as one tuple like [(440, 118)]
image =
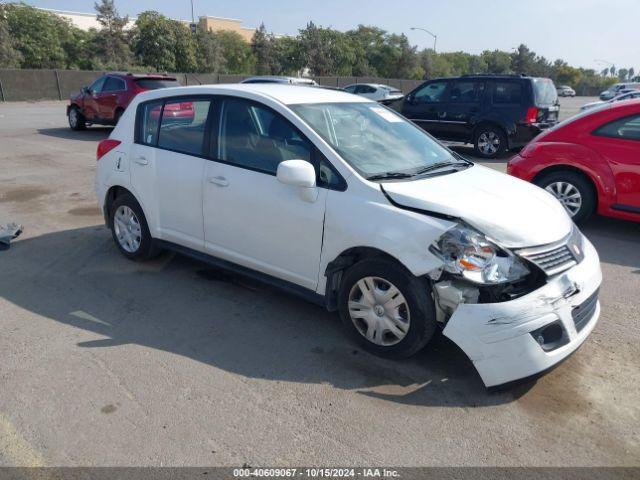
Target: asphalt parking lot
[(108, 362)]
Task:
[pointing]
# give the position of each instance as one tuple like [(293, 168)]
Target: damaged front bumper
[(511, 340)]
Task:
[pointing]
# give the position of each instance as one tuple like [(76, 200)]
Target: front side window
[(96, 87), (625, 128), (431, 93), (350, 88), (183, 125), (466, 91), (255, 137), (373, 139), (114, 85), (507, 93)]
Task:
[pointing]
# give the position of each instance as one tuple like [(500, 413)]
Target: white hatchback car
[(341, 200), (375, 91)]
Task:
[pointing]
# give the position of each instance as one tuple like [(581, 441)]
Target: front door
[(426, 107), (619, 143), (90, 99), (107, 100), (250, 218)]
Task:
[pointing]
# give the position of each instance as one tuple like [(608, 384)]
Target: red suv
[(104, 101), (590, 162)]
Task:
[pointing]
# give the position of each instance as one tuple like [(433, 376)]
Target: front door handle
[(220, 181), (141, 160)]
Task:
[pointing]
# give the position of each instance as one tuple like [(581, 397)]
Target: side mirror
[(301, 174), (86, 90), (409, 98)]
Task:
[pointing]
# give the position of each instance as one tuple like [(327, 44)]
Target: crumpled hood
[(509, 210)]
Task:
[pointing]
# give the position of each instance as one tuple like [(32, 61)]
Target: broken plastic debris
[(8, 232)]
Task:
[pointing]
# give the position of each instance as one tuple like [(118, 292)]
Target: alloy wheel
[(379, 311), (127, 229), (567, 194), (489, 143)]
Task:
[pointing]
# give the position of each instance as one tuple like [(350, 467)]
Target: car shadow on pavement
[(91, 134), (615, 240), (178, 305)]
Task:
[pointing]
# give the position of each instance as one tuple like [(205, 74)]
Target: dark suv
[(494, 112), (104, 101)]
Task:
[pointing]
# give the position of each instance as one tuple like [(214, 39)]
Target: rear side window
[(114, 84), (627, 128), (466, 91), (257, 138), (155, 83), (183, 125), (507, 93), (149, 120)]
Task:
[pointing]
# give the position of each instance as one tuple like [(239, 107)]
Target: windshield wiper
[(390, 175), (439, 165)]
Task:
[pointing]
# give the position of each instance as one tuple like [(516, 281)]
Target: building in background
[(86, 21)]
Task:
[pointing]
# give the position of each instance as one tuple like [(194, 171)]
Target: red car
[(590, 162), (104, 101)]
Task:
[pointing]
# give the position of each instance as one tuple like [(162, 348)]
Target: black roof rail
[(511, 75)]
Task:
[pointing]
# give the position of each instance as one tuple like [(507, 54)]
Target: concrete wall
[(20, 85)]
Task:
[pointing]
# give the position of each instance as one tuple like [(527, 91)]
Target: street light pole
[(435, 37)]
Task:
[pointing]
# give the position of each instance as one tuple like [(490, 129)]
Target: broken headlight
[(469, 254)]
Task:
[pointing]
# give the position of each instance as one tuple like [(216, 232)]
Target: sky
[(585, 33)]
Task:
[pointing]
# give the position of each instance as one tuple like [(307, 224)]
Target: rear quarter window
[(627, 128), (507, 93)]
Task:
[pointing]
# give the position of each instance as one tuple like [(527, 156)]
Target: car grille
[(584, 312), (556, 257)]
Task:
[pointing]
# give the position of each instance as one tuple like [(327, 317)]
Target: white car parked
[(341, 200), (566, 91), (375, 91)]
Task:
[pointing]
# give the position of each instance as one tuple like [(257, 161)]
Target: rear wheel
[(387, 310), (489, 141), (130, 230), (573, 191), (76, 119)]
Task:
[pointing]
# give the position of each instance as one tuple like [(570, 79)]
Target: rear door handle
[(220, 181), (141, 160)]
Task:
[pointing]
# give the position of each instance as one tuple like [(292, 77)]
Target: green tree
[(237, 55), (289, 56), (184, 47), (209, 52), (10, 57), (497, 61), (153, 41), (623, 74), (523, 60), (42, 38), (264, 50), (111, 42), (632, 74)]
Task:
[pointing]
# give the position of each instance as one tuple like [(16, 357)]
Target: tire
[(134, 243), (418, 308), (489, 141), (564, 185), (76, 119)]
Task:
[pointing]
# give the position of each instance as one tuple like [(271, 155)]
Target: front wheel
[(573, 191), (388, 311), (489, 141), (76, 119)]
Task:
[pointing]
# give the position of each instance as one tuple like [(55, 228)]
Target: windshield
[(545, 92), (155, 83), (374, 139)]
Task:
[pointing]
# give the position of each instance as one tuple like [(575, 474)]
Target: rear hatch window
[(155, 83), (544, 91)]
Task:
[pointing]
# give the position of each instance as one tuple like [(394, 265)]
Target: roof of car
[(159, 76), (283, 93)]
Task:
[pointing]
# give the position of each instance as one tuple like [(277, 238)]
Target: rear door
[(167, 168), (108, 98), (426, 107), (619, 143), (463, 108)]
